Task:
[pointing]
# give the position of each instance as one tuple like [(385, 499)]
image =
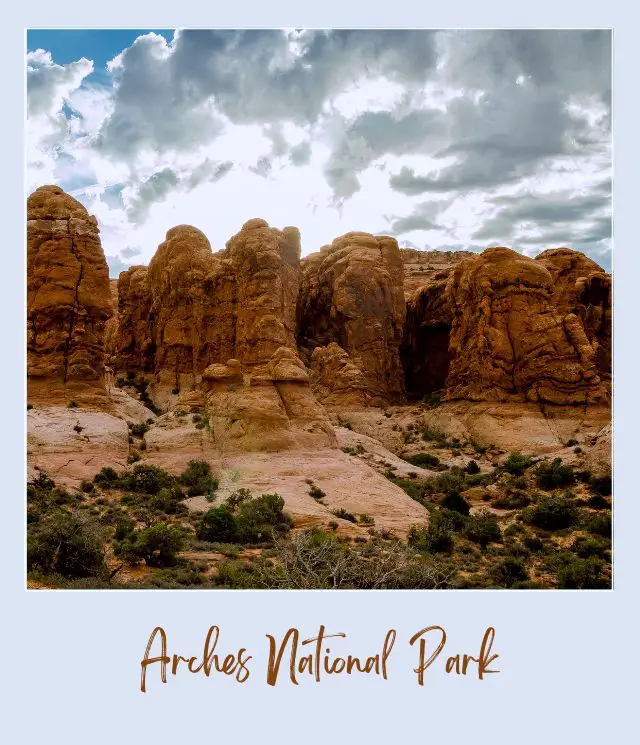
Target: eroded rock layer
[(352, 294), (509, 341), (68, 296)]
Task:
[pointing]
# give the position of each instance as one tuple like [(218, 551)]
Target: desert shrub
[(124, 526), (134, 457), (77, 428), (147, 479), (218, 524), (157, 545), (86, 486), (509, 571), (517, 463), (553, 474), (586, 546), (366, 519), (196, 418), (582, 574), (598, 502), (344, 515), (431, 399), (257, 519), (601, 485), (472, 467), (139, 430), (412, 475), (347, 425), (66, 543), (333, 525), (437, 537), (456, 502), (449, 482), (237, 497), (577, 451), (482, 528), (415, 489), (533, 543), (168, 500), (316, 492), (514, 501), (72, 405), (434, 434), (551, 513), (29, 407), (598, 524), (571, 443), (106, 476), (387, 414), (198, 479), (424, 460)]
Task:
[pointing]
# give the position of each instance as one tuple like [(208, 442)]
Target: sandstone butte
[(274, 352)]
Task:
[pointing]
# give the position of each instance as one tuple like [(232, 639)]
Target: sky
[(445, 140)]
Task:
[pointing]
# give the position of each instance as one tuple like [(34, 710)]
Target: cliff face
[(352, 295), (509, 340), (360, 323), (68, 296), (581, 287)]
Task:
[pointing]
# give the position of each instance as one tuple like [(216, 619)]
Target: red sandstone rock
[(352, 294), (508, 341), (68, 297)]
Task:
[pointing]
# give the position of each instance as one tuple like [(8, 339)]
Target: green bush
[(66, 543), (316, 492), (482, 528), (198, 479), (585, 547), (237, 497), (146, 479), (157, 545), (168, 500), (218, 524), (139, 430), (436, 538), (582, 574), (601, 485), (472, 467), (424, 460), (105, 476), (509, 571), (256, 519), (86, 486), (598, 524), (366, 519), (553, 474), (552, 513), (514, 501), (454, 501), (517, 463), (344, 515)]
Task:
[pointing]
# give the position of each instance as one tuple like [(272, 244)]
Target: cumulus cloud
[(457, 138)]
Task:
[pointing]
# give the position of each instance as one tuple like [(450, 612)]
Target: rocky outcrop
[(68, 297), (420, 267), (509, 342), (352, 294), (335, 380), (581, 287), (192, 308), (266, 262)]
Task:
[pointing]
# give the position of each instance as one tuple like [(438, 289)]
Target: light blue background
[(568, 660)]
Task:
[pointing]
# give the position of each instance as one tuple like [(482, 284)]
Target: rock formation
[(352, 294), (335, 380), (68, 297), (581, 287), (508, 340), (193, 308), (421, 266)]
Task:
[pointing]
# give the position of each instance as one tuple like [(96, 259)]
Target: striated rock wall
[(509, 342), (352, 294), (581, 287), (68, 297)]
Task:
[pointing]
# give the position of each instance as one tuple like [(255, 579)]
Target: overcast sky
[(444, 139)]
